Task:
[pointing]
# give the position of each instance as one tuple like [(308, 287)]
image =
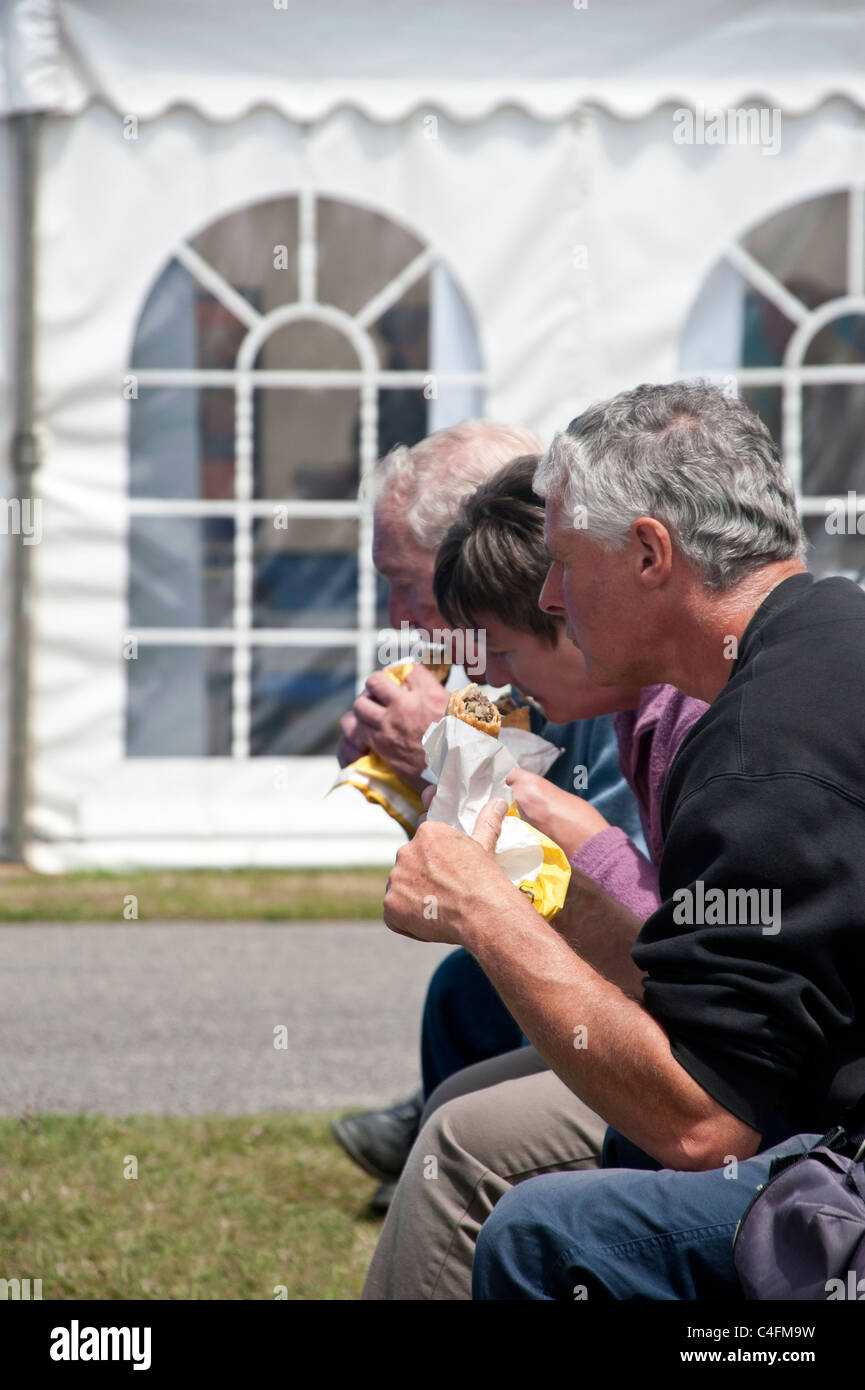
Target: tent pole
[(24, 463)]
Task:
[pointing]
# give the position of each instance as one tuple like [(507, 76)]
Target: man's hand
[(563, 817), (442, 874), (392, 719), (351, 745)]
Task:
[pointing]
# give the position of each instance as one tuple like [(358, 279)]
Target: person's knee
[(509, 1262), (462, 1139), (455, 1128), (518, 1064), (444, 1092), (468, 1081)]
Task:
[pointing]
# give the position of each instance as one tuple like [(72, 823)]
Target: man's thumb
[(489, 823)]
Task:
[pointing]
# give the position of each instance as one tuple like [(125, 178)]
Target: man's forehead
[(394, 548), (387, 533)]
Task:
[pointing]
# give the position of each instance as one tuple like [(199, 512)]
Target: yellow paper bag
[(377, 779), (548, 890)]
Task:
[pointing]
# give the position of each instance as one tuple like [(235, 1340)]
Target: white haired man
[(677, 557), (417, 494)]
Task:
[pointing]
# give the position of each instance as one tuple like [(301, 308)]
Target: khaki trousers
[(484, 1130)]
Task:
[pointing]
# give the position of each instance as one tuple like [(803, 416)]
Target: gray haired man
[(677, 557)]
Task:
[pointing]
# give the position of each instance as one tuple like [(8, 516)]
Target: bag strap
[(848, 1138), (855, 1125)]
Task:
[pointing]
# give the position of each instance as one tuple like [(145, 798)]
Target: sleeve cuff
[(615, 863)]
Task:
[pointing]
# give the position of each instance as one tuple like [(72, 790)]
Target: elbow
[(709, 1143)]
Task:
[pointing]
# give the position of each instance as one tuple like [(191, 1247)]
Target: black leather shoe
[(380, 1141)]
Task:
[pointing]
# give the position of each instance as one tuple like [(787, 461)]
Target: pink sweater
[(648, 739)]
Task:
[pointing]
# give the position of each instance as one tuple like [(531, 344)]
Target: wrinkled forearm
[(601, 1043)]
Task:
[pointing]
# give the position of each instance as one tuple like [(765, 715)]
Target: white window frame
[(793, 374), (244, 378)]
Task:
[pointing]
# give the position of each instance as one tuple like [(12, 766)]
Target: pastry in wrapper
[(473, 707), (469, 771)]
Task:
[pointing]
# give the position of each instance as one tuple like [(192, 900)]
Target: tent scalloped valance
[(224, 57)]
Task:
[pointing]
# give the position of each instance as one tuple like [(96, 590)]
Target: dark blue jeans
[(464, 1021), (626, 1230)]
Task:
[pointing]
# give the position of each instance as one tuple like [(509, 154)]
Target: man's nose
[(551, 599), (497, 672)]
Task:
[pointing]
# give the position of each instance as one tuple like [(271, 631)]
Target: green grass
[(222, 1208), (213, 894)]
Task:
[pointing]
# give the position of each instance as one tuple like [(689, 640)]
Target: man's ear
[(654, 551)]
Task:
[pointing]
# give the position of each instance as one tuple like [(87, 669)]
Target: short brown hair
[(493, 559)]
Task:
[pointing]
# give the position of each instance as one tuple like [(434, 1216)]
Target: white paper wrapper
[(469, 768)]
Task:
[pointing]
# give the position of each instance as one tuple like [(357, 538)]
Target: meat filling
[(477, 705)]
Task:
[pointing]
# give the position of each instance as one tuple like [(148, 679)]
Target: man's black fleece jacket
[(767, 791)]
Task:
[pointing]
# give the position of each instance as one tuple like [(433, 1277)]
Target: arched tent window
[(782, 317), (279, 353)]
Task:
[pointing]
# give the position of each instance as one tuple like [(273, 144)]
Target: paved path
[(179, 1018)]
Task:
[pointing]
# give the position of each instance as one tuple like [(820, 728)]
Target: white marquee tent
[(270, 239)]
